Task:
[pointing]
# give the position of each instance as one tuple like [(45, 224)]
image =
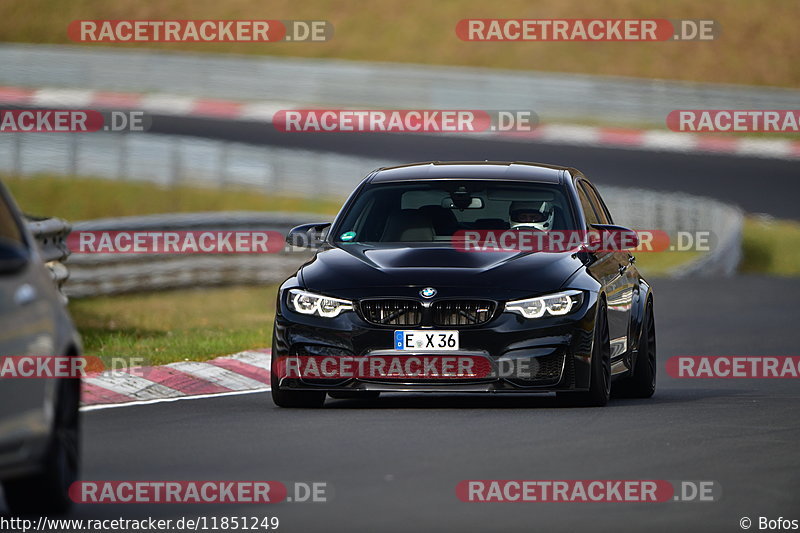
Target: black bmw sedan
[(435, 277)]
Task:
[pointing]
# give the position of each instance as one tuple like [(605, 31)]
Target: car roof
[(500, 170)]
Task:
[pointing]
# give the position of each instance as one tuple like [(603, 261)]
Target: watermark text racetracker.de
[(199, 492), (734, 120), (176, 242), (404, 120), (72, 121), (71, 367), (199, 31), (587, 491), (556, 241), (406, 366), (734, 366), (48, 366), (587, 30)]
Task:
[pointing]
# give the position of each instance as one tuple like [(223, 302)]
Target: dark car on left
[(39, 422)]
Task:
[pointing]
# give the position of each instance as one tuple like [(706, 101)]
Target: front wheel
[(47, 492), (600, 381), (642, 383)]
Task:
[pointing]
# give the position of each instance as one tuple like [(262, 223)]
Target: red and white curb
[(167, 104), (240, 373)]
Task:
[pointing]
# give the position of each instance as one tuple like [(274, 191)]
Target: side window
[(586, 204), (599, 205), (9, 230)]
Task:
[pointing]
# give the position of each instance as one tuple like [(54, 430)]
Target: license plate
[(426, 340)]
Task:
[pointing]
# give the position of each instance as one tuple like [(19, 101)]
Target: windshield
[(431, 211)]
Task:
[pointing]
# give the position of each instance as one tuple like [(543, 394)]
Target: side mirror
[(13, 257), (611, 238), (308, 235)]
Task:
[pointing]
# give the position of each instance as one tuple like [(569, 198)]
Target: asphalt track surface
[(393, 464), (758, 185)]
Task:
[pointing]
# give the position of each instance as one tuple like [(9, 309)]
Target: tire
[(642, 383), (600, 381), (47, 492), (295, 398), (354, 395)]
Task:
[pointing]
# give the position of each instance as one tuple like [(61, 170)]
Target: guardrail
[(313, 82), (679, 212), (50, 235), (177, 160), (101, 274)]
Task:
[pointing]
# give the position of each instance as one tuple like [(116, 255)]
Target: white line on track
[(99, 407)]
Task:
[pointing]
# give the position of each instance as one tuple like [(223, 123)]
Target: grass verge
[(771, 247), (656, 264), (168, 326), (87, 198)]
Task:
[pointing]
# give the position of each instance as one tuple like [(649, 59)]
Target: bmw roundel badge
[(428, 292)]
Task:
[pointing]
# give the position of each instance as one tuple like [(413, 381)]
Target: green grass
[(177, 325), (86, 198), (771, 247), (755, 46), (657, 264)]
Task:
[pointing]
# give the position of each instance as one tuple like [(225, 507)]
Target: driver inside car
[(530, 215)]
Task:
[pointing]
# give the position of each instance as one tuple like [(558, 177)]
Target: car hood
[(363, 270)]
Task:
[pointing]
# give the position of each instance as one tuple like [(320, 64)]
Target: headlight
[(308, 303), (557, 304)]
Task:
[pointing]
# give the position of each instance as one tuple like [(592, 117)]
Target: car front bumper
[(557, 351)]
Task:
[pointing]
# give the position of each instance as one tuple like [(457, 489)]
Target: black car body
[(388, 264)]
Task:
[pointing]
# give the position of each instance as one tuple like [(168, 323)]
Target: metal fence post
[(122, 157), (270, 177), (175, 164), (222, 171), (73, 155)]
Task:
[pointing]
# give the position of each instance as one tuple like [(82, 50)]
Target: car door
[(609, 269), (628, 283)]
